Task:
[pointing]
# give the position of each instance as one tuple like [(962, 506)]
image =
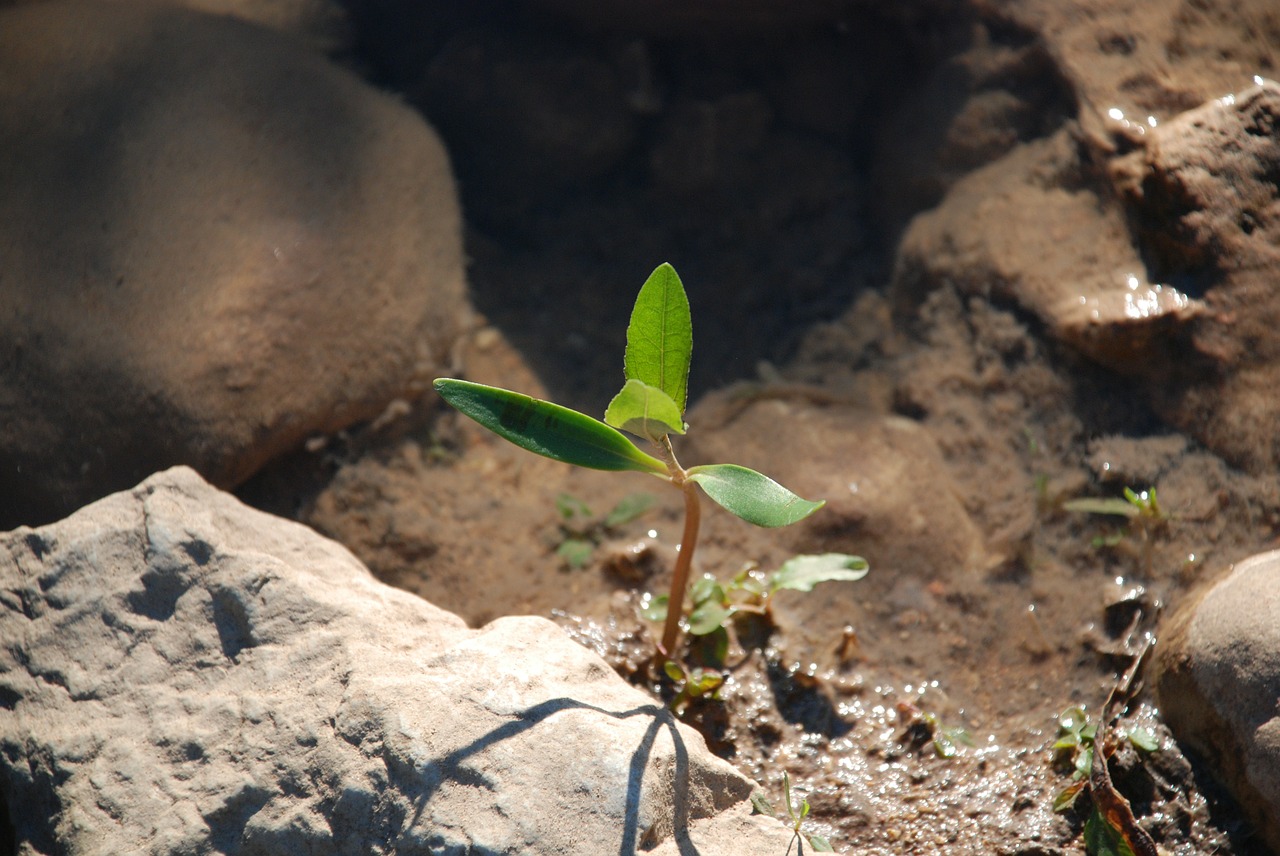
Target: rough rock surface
[(215, 244), (1217, 674), (184, 674), (1160, 270)]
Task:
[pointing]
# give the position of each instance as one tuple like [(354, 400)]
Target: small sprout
[(651, 404), (927, 727), (1075, 746), (1142, 510), (693, 684), (797, 813), (581, 531)]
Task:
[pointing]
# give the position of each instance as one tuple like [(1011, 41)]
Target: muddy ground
[(946, 434)]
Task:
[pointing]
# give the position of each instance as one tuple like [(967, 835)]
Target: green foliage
[(581, 531), (715, 604), (796, 812), (651, 405), (754, 497), (660, 336), (547, 429), (1103, 839), (924, 726), (1075, 746)]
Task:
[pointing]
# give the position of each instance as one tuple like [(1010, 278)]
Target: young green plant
[(650, 405)]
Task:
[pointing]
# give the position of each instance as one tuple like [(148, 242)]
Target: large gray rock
[(1217, 674), (184, 674), (215, 244)]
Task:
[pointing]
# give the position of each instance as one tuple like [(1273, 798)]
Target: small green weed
[(1075, 746), (1142, 510), (797, 812), (581, 530), (651, 405), (923, 726)]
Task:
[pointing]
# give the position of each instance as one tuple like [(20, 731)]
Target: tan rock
[(185, 674), (216, 244), (1217, 675)]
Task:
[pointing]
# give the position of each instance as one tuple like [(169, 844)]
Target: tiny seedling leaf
[(760, 804), (1144, 739), (630, 507), (1103, 839), (660, 336), (802, 573), (1066, 798), (570, 506), (707, 617), (820, 844), (645, 411), (655, 609), (547, 429), (754, 497), (576, 551), (1111, 505)]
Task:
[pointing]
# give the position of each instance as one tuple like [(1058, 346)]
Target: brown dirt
[(946, 438)]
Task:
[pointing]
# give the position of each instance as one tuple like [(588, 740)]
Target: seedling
[(797, 812), (581, 531), (1142, 510), (750, 592), (650, 405), (925, 726), (1075, 746)]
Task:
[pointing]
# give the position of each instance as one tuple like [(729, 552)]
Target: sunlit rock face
[(185, 674)]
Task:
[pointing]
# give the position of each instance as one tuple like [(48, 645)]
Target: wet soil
[(989, 606)]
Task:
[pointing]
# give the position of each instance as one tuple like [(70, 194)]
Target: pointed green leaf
[(802, 573), (660, 336), (630, 507), (1093, 505), (645, 411), (1103, 839), (547, 429), (754, 497), (760, 804), (820, 844), (707, 617)]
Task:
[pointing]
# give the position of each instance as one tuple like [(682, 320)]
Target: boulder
[(216, 244), (185, 674), (1217, 675)]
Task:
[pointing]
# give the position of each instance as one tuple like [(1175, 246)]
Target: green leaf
[(820, 845), (1092, 505), (629, 508), (660, 336), (1103, 839), (754, 497), (575, 551), (570, 506), (707, 618), (760, 804), (673, 670), (655, 609), (802, 573), (547, 429), (1066, 798), (706, 588), (786, 797), (645, 411), (1144, 739)]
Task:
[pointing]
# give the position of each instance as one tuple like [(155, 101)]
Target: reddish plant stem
[(684, 561)]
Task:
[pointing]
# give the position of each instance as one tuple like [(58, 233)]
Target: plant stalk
[(684, 561)]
